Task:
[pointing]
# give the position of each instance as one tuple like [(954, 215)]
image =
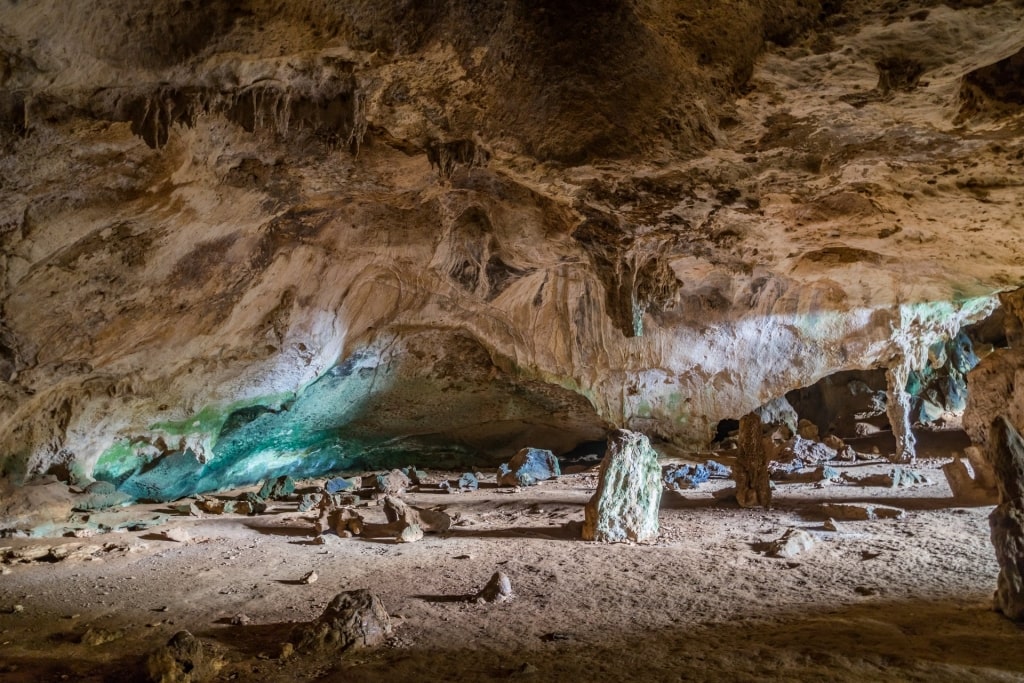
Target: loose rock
[(498, 589), (183, 660), (353, 619), (792, 543), (529, 466)]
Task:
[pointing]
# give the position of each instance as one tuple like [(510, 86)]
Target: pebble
[(310, 578)]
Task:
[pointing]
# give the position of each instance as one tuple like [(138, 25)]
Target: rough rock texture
[(529, 466), (243, 240), (1006, 450), (353, 619), (184, 659), (625, 505), (753, 485)]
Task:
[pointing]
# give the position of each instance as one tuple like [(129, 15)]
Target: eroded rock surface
[(238, 244), (625, 505)]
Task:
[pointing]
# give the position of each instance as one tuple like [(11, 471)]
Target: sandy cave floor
[(887, 600)]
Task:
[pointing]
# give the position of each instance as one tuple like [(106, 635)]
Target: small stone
[(287, 650), (498, 589), (410, 534), (468, 482), (309, 578), (240, 620), (17, 609), (830, 525), (792, 543), (178, 535)]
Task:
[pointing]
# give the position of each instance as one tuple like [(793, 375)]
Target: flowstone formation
[(245, 240), (625, 505)]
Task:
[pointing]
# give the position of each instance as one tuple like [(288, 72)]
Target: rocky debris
[(779, 413), (240, 620), (339, 484), (430, 521), (678, 477), (94, 637), (753, 483), (353, 619), (979, 489), (831, 525), (309, 578), (277, 489), (857, 512), (66, 551), (684, 476), (795, 472), (805, 451), (184, 659), (177, 534), (1006, 522), (468, 482), (416, 476), (498, 589), (894, 478), (343, 521), (100, 495), (807, 430), (529, 466), (793, 542), (394, 483), (625, 505)]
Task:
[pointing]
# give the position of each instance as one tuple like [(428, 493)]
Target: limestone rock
[(397, 510), (178, 535), (1006, 452), (853, 512), (793, 542), (394, 483), (184, 659), (498, 589), (468, 482), (529, 466), (625, 506), (409, 533), (353, 619), (753, 484), (339, 484)]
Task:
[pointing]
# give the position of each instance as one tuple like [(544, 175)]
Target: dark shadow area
[(566, 532), (467, 597)]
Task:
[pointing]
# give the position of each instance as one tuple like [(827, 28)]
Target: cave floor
[(885, 600)]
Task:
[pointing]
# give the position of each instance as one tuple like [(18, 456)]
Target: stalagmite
[(625, 506), (1006, 451), (897, 407), (753, 486)]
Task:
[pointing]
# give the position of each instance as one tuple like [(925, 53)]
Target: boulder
[(529, 466), (625, 505), (394, 483), (353, 619), (468, 482), (339, 484), (277, 489)]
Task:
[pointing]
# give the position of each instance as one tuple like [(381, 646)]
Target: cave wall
[(641, 215)]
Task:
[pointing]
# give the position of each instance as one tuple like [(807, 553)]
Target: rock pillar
[(1006, 451), (897, 407), (625, 506), (753, 486)]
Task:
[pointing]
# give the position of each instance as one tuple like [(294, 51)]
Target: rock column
[(1006, 451), (625, 506), (897, 407), (753, 486)]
